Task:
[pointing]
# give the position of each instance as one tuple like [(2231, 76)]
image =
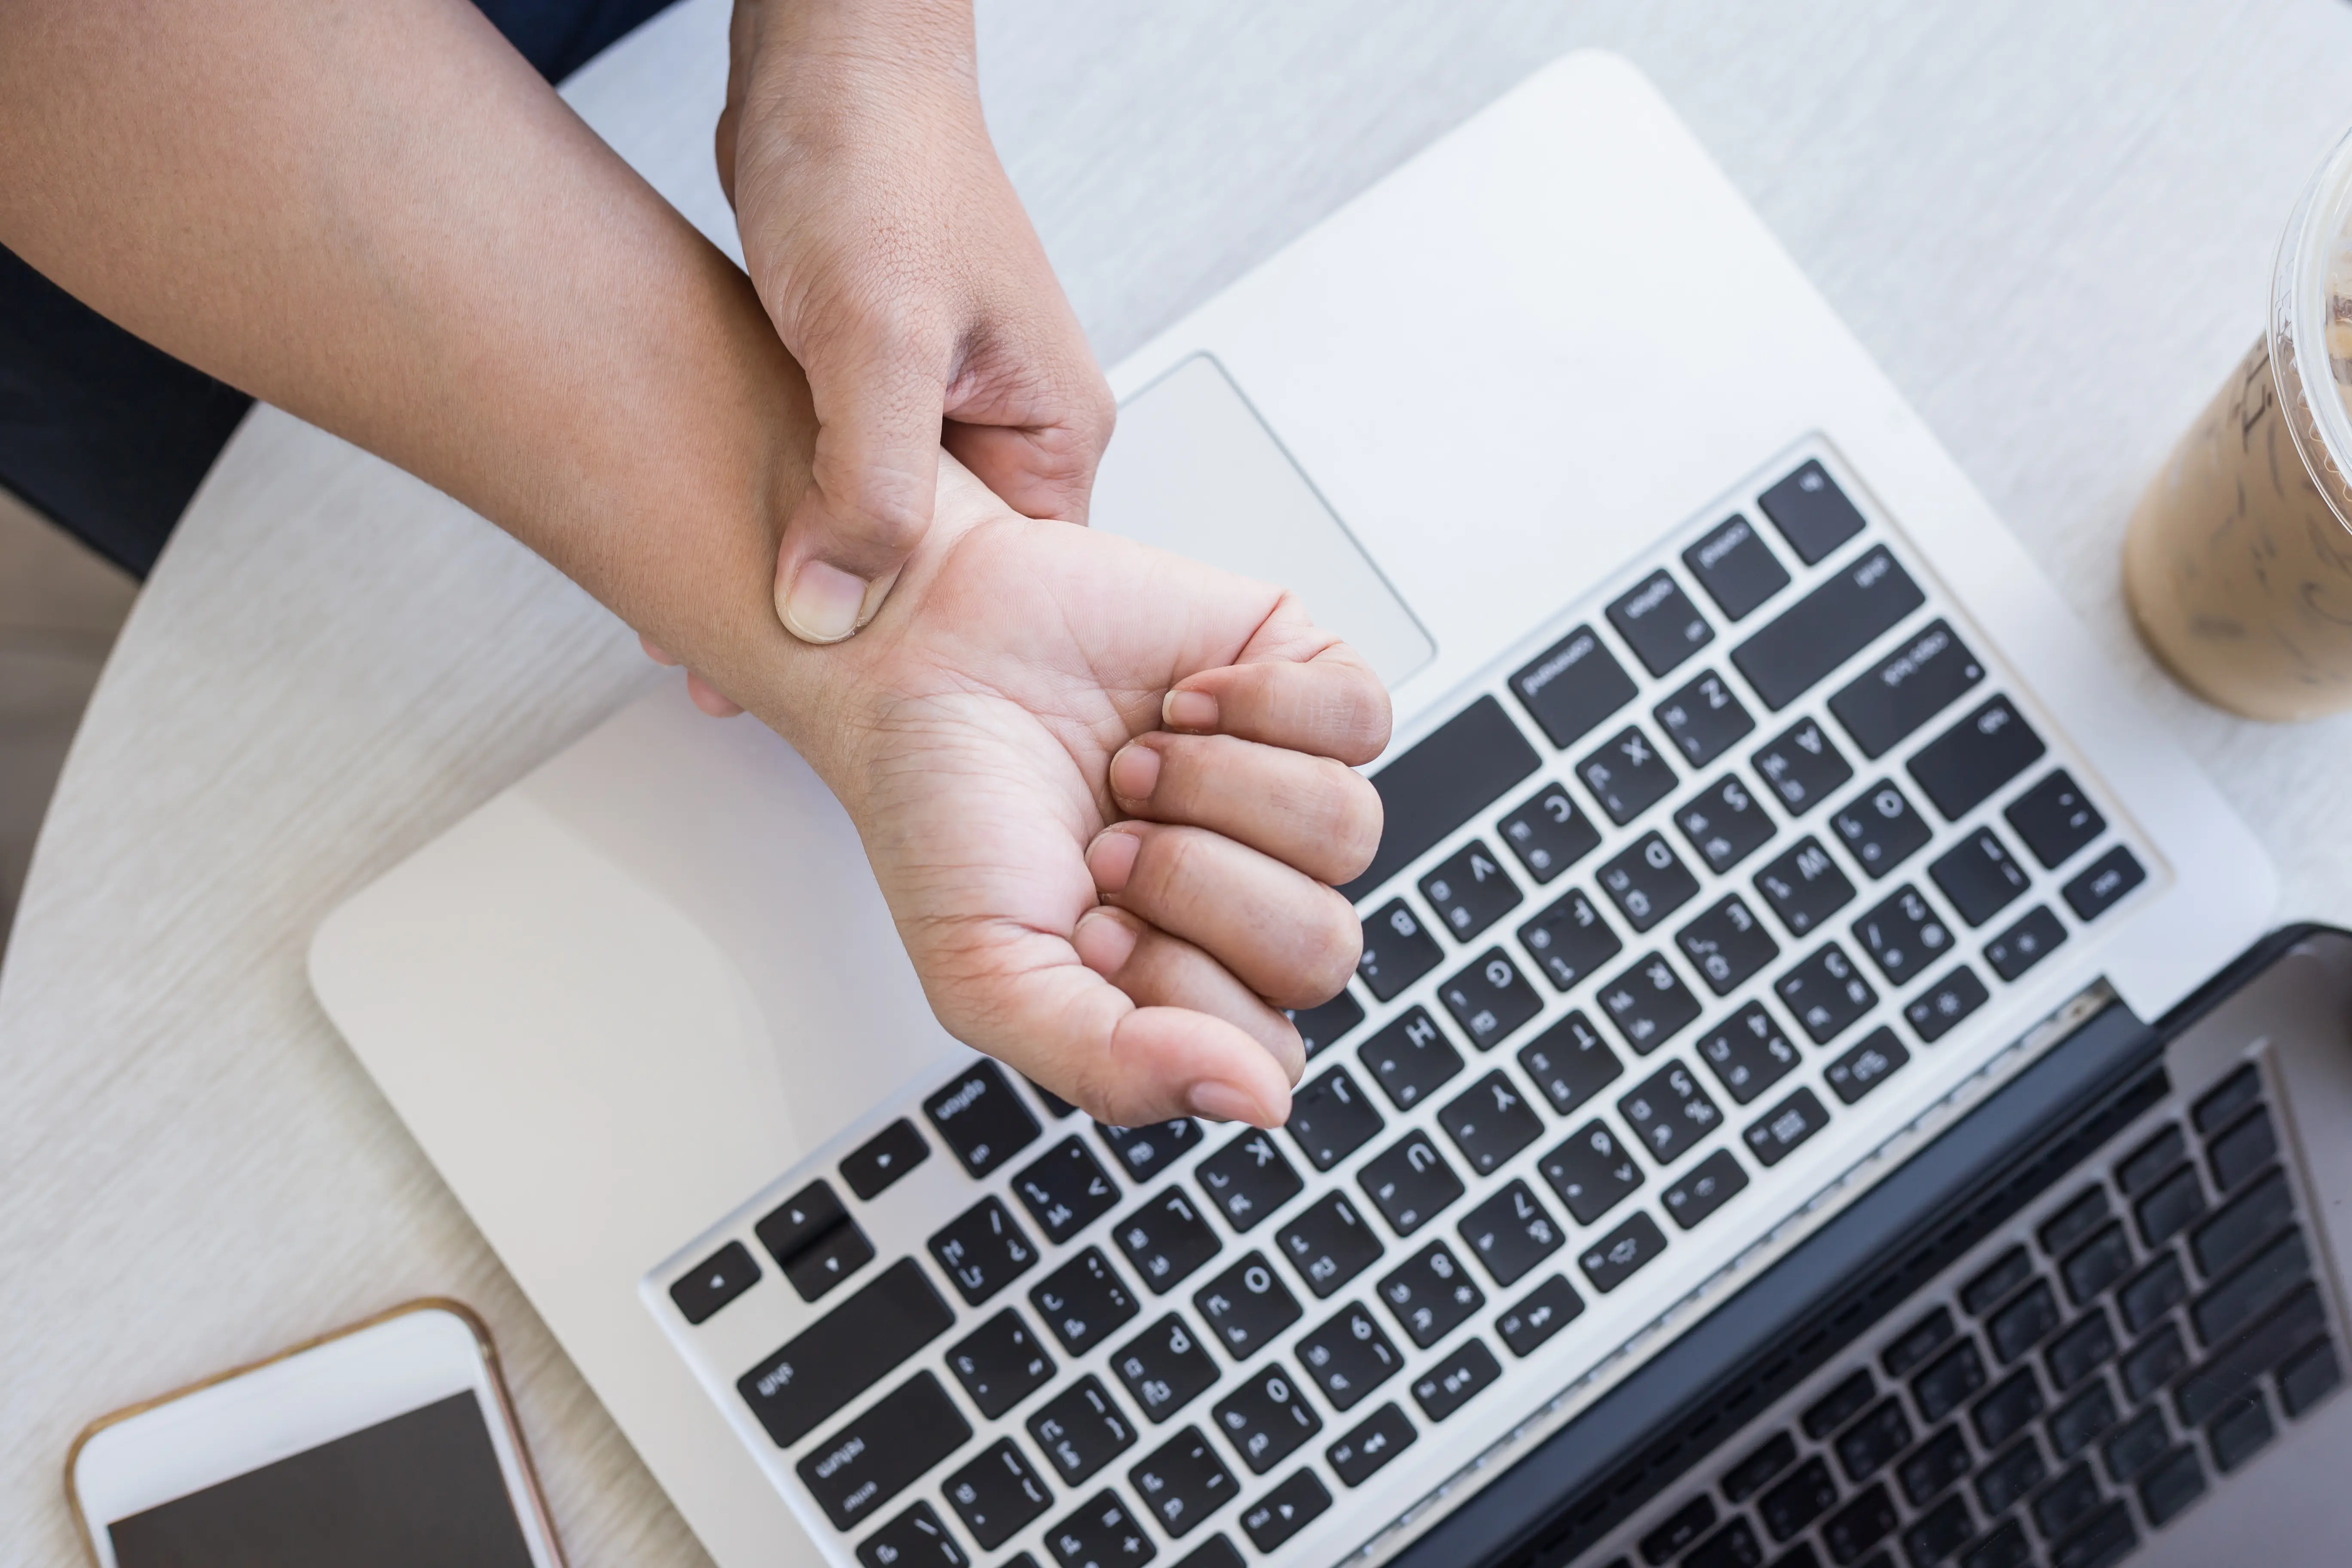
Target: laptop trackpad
[(1194, 470)]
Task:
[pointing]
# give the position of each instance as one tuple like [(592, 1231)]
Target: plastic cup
[(2238, 565)]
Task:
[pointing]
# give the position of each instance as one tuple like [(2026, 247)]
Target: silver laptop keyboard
[(1658, 911)]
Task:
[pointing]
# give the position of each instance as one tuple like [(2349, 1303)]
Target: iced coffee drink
[(2238, 566)]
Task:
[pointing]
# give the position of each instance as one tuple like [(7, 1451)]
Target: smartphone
[(390, 1442)]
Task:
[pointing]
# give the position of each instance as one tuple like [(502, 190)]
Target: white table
[(2051, 219)]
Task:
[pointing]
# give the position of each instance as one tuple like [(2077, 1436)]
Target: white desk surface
[(2052, 220)]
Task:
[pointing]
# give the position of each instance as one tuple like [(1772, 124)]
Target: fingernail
[(1135, 772), (870, 605), (1189, 710), (823, 603), (1111, 858), (1221, 1102), (1105, 942)]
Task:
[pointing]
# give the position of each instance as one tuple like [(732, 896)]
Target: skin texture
[(372, 214)]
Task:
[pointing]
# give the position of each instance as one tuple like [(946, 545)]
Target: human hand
[(900, 271), (1105, 792)]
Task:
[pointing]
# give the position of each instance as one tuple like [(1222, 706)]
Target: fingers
[(703, 695), (1331, 705), (1312, 813), (1038, 454), (1158, 971), (1285, 936)]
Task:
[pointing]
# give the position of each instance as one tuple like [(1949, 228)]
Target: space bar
[(1433, 789), (844, 1352)]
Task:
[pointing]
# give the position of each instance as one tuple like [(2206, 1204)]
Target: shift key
[(1827, 627), (844, 1352), (880, 1453)]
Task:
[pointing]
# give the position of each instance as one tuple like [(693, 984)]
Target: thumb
[(869, 499)]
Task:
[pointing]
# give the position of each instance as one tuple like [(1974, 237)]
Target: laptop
[(1817, 1088)]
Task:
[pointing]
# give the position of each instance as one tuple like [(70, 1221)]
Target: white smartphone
[(391, 1442)]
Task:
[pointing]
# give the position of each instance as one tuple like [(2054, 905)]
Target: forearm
[(376, 215)]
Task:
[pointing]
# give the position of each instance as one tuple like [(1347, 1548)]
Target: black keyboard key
[(1648, 1003), (2006, 1547), (2024, 1322), (1945, 1530), (1570, 1063), (981, 1119), (1056, 1108), (2109, 1538), (996, 1494), (1349, 1356), (844, 1352), (1144, 1152), (2103, 885), (1328, 1244), (1570, 940), (1933, 1013), (1080, 1430), (1548, 834), (883, 1450), (2138, 1444), (2076, 1424), (2055, 818), (1784, 1127), (2307, 1378), (2074, 1497), (2081, 1350), (1539, 1314), (1398, 950), (1083, 1300), (2218, 1105), (982, 1251), (1915, 1344), (1811, 513), (1442, 781), (1377, 1438), (2257, 1284), (1883, 705), (1490, 1121), (1867, 1065), (2152, 1160), (1950, 1380), (1826, 992), (2170, 1486), (1661, 625), (1410, 1182), (1979, 877), (1964, 764), (1065, 1191), (1330, 1118), (2009, 1407), (1704, 1188), (1879, 829), (2242, 1223), (1248, 1179), (1183, 1483), (1736, 567), (1752, 1474), (1939, 1462), (1703, 719), (1617, 1257), (1648, 881), (2170, 1206), (1470, 891), (1573, 685), (1993, 1285), (1462, 1374), (1285, 1510), (1678, 1530), (1747, 1053), (1267, 1419), (715, 1281), (2024, 944), (1826, 627), (1408, 1057), (1724, 824), (1903, 935), (916, 1539), (2153, 1363), (1000, 1363), (1860, 1525), (1166, 1239), (1099, 1535), (1796, 1503), (1490, 999), (873, 1165), (1804, 886), (1319, 1028), (1669, 1112), (1726, 945), (1164, 1368), (1592, 1172), (1431, 1294), (1246, 1307), (2241, 1150), (1626, 775), (2006, 1480), (1846, 1399), (2096, 1264), (1802, 766)]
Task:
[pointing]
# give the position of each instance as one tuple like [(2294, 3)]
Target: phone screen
[(421, 1487)]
